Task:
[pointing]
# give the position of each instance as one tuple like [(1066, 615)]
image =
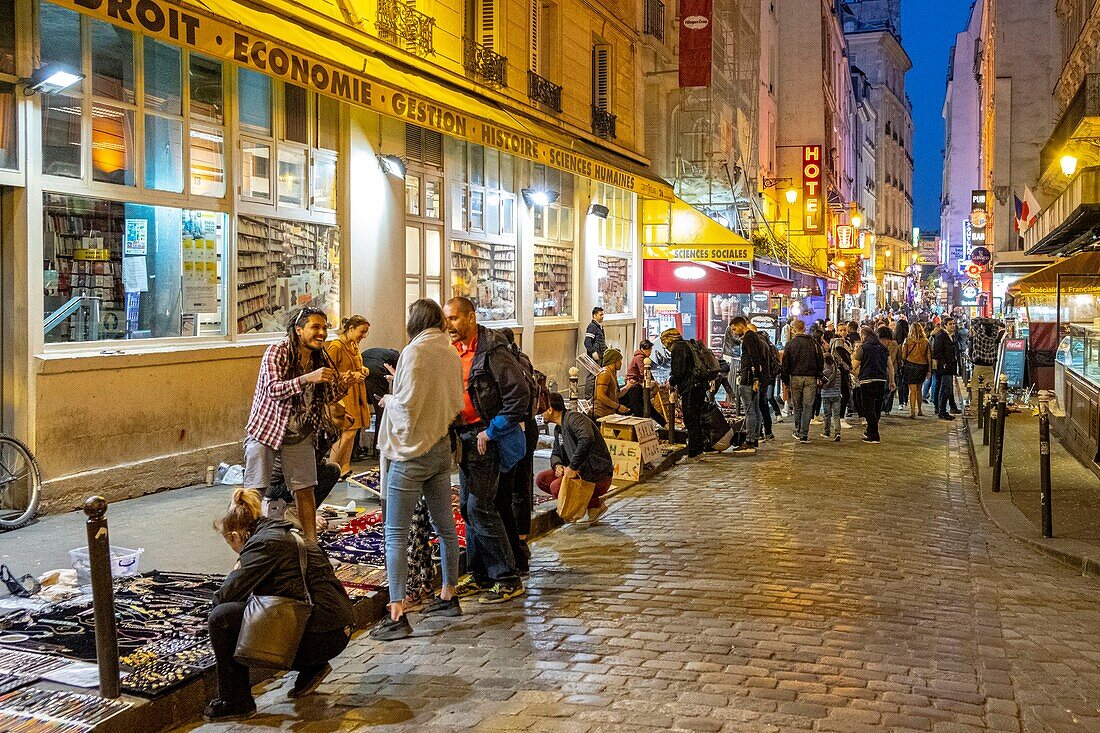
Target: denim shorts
[(299, 464)]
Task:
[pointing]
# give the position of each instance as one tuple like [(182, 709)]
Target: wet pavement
[(829, 587)]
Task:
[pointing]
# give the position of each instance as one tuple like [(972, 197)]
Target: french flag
[(1027, 210)]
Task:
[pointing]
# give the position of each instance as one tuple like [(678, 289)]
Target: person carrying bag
[(282, 608)]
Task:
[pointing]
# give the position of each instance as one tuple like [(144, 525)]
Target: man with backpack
[(751, 375), (690, 377)]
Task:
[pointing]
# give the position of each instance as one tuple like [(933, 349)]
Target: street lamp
[(792, 196), (1069, 165), (857, 221)]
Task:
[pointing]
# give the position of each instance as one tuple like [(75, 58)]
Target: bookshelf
[(72, 227), (553, 280), (613, 286), (283, 265), (485, 273)]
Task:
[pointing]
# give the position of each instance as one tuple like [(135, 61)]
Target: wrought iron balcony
[(603, 122), (485, 64), (543, 91), (655, 19), (403, 25)]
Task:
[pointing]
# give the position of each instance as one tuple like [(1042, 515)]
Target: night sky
[(928, 29)]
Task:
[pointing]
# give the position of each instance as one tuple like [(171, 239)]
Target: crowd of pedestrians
[(460, 394)]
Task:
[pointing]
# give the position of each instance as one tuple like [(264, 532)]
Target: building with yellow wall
[(217, 164)]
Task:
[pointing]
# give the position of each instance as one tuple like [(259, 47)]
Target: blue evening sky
[(928, 29)]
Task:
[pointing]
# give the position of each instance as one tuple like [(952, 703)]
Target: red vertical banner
[(696, 17)]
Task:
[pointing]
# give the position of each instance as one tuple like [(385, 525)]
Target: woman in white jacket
[(414, 442)]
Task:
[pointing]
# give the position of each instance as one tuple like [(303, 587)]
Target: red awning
[(717, 277)]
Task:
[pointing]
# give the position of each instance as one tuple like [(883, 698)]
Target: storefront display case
[(1078, 390)]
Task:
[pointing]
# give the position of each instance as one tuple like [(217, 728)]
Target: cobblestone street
[(810, 587)]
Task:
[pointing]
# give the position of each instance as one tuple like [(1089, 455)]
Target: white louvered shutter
[(601, 76), (536, 29), (486, 23)]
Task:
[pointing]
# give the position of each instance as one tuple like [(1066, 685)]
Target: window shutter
[(536, 24), (486, 23), (601, 76)]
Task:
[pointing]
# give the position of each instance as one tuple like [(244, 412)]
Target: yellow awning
[(676, 230), (1045, 281), (272, 44)]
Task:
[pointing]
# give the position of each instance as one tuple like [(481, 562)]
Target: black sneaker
[(502, 593), (470, 586), (389, 630), (872, 441), (220, 711), (440, 607), (946, 417), (308, 681)]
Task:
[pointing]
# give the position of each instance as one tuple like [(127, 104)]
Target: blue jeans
[(803, 394), (931, 388), (429, 476), (752, 412), (830, 407), (489, 556)]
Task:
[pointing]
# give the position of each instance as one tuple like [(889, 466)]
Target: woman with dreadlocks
[(297, 382)]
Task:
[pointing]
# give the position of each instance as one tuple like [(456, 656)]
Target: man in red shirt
[(497, 400)]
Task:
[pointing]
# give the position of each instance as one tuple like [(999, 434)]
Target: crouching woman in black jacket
[(269, 566)]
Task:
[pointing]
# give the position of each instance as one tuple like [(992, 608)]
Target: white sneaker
[(818, 420), (850, 423)]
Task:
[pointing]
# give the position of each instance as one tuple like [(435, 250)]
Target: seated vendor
[(269, 566), (606, 399), (579, 452)]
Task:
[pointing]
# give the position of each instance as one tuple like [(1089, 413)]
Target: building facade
[(873, 31), (215, 166)]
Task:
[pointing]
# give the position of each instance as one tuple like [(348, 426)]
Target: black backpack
[(706, 363)]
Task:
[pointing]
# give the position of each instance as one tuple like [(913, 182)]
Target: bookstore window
[(283, 265), (554, 231), (615, 240), (482, 218), (134, 98), (122, 270), (9, 119)]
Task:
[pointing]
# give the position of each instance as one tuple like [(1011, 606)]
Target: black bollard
[(990, 439), (1044, 471), (103, 596), (981, 402), (997, 449)]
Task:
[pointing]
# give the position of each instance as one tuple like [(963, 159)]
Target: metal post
[(968, 411), (103, 596), (999, 442), (981, 401), (573, 378), (647, 384), (987, 424), (1044, 465)]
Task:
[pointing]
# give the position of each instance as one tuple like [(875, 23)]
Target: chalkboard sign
[(1012, 362)]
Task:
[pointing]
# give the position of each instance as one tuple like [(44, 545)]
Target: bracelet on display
[(57, 705)]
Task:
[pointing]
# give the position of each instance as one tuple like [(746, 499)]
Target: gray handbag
[(272, 627)]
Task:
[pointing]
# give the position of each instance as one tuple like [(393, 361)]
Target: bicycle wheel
[(19, 484)]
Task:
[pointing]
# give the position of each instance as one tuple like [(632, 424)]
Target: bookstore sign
[(206, 33)]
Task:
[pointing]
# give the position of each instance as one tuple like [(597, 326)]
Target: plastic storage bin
[(124, 563)]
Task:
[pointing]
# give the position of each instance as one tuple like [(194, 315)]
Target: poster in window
[(200, 262), (136, 240)]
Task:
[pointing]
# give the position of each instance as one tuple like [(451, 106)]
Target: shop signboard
[(767, 322), (1012, 362), (813, 215), (701, 253), (844, 236), (979, 217), (969, 295), (981, 256), (357, 78)]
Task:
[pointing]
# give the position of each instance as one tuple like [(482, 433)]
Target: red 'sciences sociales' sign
[(813, 221), (695, 42)]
